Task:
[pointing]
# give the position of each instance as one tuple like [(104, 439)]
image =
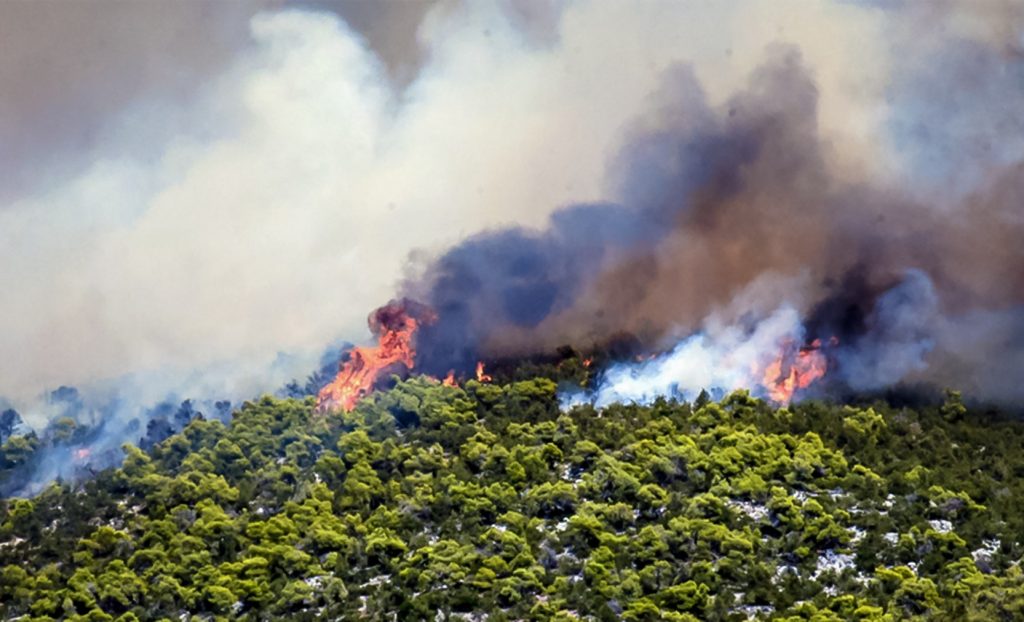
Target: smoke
[(70, 72), (277, 207), (712, 196), (247, 180), (708, 199), (247, 186), (717, 359), (956, 93), (897, 338)]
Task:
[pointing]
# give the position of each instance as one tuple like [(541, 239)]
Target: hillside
[(487, 501)]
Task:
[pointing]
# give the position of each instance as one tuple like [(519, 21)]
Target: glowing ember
[(449, 380), (794, 370), (587, 362), (395, 325), (480, 375)]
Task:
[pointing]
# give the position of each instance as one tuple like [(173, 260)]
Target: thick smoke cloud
[(69, 70), (898, 335), (208, 234), (195, 209), (713, 196), (692, 180)]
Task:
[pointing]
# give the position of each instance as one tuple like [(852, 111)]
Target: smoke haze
[(197, 197)]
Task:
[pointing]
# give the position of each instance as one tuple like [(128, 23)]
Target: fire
[(395, 325), (794, 370), (587, 362), (480, 375), (449, 380), (82, 454)]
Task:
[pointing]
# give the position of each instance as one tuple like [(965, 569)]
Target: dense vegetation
[(489, 502)]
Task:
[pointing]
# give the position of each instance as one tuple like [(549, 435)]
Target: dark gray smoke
[(714, 199)]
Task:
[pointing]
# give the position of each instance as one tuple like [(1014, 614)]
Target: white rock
[(830, 561)]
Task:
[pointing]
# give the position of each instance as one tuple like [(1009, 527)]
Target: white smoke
[(278, 204), (718, 359)]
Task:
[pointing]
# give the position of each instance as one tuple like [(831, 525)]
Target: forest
[(489, 501)]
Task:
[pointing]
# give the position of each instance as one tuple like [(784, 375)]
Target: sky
[(202, 196)]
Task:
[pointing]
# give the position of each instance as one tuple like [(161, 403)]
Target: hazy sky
[(189, 186)]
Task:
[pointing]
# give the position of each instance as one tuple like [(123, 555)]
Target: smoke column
[(715, 197)]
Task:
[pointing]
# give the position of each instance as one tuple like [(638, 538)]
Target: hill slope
[(488, 502)]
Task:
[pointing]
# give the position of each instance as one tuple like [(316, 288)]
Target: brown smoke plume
[(717, 199)]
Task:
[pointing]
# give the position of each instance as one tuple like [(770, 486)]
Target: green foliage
[(435, 502)]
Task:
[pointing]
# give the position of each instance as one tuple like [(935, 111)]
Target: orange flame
[(82, 454), (395, 325), (449, 380), (794, 370), (480, 375), (587, 362)]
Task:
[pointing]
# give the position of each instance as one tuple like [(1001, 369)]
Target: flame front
[(480, 375), (395, 324), (794, 370)]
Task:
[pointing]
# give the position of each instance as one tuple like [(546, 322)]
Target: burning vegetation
[(794, 369), (395, 325), (481, 376), (790, 369)]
